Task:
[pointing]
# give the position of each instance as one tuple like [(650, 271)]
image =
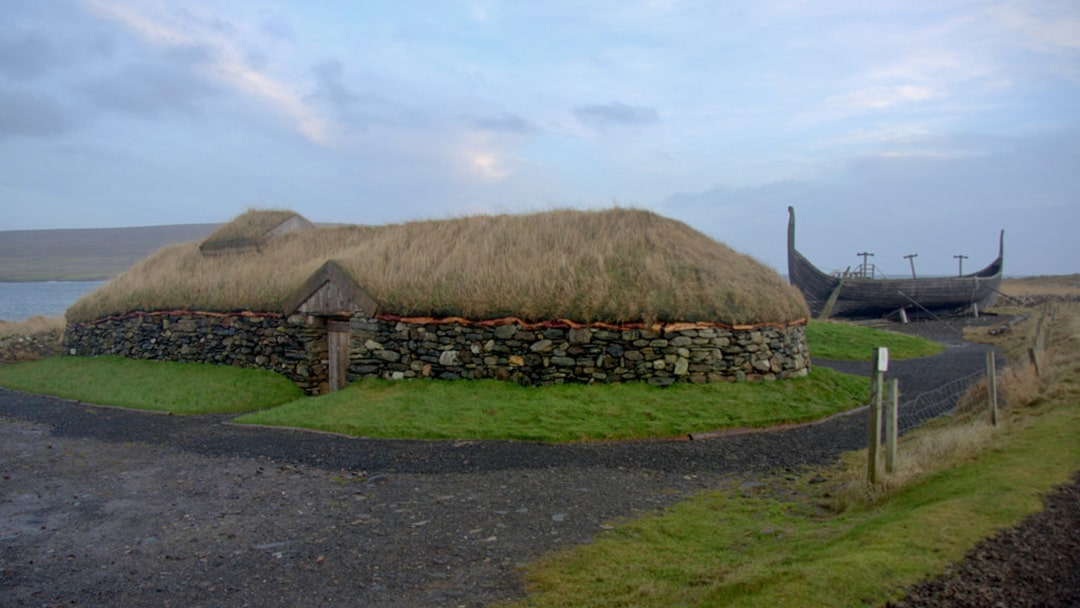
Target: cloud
[(27, 56), (881, 97), (934, 205), (148, 89), (331, 87), (615, 114), (1042, 32), (31, 114), (503, 123), (358, 108), (226, 62)]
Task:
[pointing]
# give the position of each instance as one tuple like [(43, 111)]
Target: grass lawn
[(490, 409), (180, 388), (849, 342)]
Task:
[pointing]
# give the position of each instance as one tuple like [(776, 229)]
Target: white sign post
[(873, 434)]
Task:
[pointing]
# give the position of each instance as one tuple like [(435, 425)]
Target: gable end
[(331, 291)]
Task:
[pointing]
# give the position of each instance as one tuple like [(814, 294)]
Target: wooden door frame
[(338, 342)]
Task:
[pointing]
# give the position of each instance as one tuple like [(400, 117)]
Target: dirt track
[(107, 507)]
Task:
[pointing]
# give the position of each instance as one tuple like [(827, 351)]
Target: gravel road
[(111, 507)]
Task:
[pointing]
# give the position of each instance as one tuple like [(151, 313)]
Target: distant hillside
[(86, 253)]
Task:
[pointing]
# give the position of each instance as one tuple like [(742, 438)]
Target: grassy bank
[(179, 388), (491, 409), (850, 342)]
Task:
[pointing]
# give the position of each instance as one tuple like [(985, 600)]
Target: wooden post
[(1033, 354), (911, 258), (961, 258), (1039, 343), (892, 405), (991, 387), (873, 430)]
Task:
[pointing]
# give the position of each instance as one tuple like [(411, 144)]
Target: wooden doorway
[(338, 339)]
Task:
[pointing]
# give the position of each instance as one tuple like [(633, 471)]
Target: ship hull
[(852, 297)]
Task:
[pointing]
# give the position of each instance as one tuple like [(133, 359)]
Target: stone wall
[(29, 346), (550, 353), (290, 346), (553, 355)]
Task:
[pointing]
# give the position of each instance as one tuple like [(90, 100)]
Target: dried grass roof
[(619, 265)]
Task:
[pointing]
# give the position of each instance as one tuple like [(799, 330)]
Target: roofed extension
[(251, 231), (616, 266)]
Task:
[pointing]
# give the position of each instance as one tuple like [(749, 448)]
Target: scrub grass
[(849, 342), (32, 326), (177, 388), (490, 409)]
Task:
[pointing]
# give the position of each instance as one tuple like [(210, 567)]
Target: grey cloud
[(27, 56), (357, 108), (30, 114), (616, 114), (190, 54), (504, 123), (148, 89), (936, 206), (214, 24), (331, 86), (278, 28)]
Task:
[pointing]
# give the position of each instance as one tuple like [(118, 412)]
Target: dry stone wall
[(554, 355), (290, 346), (296, 347), (28, 347)]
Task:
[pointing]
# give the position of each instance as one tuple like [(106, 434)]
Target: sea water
[(20, 301)]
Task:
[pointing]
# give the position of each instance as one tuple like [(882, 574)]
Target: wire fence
[(941, 401), (961, 401)]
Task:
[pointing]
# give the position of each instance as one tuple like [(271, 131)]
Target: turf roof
[(617, 265)]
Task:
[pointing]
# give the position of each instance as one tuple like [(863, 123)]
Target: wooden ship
[(858, 295)]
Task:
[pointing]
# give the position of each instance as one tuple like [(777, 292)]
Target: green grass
[(427, 409), (490, 409), (179, 388), (776, 545), (848, 342)]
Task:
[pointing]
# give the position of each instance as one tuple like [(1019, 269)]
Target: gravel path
[(110, 507)]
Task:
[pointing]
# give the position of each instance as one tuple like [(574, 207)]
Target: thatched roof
[(619, 265)]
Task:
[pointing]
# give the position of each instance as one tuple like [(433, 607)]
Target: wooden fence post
[(991, 387), (873, 431), (892, 405)]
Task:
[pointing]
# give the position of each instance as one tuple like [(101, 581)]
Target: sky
[(894, 127)]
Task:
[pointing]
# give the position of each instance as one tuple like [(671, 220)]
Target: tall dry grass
[(1052, 285), (618, 265), (31, 326)]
